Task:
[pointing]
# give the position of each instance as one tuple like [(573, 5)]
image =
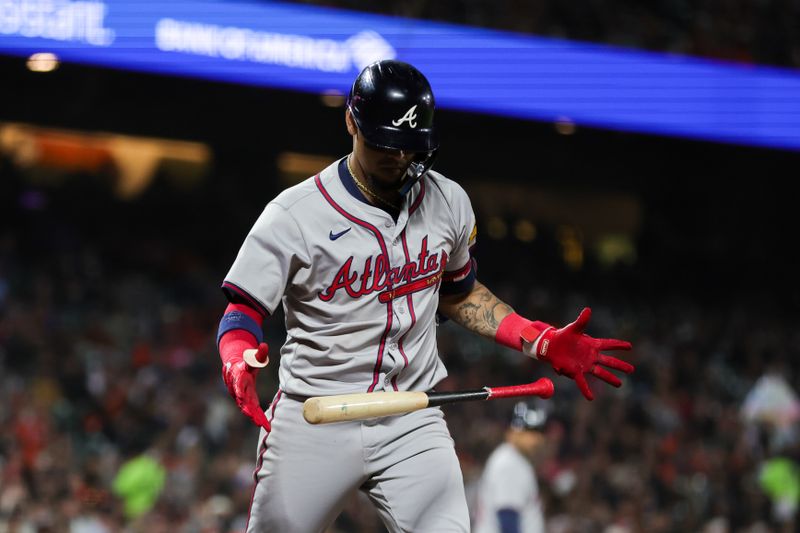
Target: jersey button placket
[(398, 306)]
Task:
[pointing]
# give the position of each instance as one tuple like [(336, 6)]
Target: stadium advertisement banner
[(320, 50)]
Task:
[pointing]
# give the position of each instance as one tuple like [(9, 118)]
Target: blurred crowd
[(113, 415), (765, 31)]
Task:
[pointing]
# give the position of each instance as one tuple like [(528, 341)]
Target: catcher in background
[(508, 494), (362, 257)]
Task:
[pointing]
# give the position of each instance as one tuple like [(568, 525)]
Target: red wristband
[(509, 333)]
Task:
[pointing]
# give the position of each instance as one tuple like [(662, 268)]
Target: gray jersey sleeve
[(271, 254), (465, 227)]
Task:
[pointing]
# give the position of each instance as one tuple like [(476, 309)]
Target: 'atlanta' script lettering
[(376, 274)]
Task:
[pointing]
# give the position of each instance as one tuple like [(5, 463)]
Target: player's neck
[(389, 199)]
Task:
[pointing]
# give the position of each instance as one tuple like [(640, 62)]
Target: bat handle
[(543, 388)]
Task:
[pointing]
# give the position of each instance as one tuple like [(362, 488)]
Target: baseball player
[(508, 497), (362, 256)]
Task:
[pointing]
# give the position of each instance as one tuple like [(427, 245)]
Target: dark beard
[(379, 186)]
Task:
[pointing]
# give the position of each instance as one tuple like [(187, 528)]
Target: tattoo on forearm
[(481, 311)]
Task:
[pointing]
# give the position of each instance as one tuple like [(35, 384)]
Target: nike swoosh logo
[(335, 236)]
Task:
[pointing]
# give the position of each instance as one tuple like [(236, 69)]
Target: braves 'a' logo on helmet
[(410, 117)]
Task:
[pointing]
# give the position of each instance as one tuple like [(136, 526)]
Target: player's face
[(384, 168)]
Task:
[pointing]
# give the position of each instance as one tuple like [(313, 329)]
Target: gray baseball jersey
[(508, 482), (359, 289)]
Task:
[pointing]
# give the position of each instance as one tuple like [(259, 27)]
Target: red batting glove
[(572, 353), (241, 381)]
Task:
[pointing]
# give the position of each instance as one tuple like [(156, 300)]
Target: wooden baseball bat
[(339, 408)]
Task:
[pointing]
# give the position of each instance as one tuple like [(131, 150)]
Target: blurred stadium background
[(125, 194)]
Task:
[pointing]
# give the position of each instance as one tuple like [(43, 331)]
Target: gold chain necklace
[(367, 192)]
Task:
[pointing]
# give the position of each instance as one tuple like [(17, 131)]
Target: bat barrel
[(324, 409)]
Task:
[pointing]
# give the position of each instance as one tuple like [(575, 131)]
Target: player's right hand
[(240, 379)]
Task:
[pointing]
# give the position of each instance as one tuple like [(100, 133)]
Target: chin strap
[(416, 170)]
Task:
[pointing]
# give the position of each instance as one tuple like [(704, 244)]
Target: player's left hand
[(240, 379), (572, 353)]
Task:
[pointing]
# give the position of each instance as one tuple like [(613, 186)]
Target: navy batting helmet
[(392, 104)]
